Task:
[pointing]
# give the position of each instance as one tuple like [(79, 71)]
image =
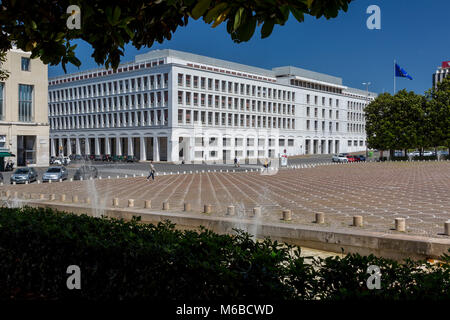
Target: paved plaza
[(380, 192)]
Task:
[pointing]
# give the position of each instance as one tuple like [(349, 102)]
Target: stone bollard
[(130, 203), (230, 210), (256, 212), (26, 182), (166, 205), (287, 215), (115, 202), (39, 181), (87, 200), (63, 197), (207, 208), (147, 204), (320, 217), (14, 183), (60, 180), (41, 196), (187, 206), (109, 177), (447, 228), (74, 198), (52, 197), (100, 178), (71, 179), (91, 178), (357, 221), (400, 224), (49, 181)]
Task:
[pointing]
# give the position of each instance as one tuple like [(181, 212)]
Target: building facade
[(169, 105), (24, 127), (442, 72)]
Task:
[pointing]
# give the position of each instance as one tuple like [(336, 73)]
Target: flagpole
[(394, 76)]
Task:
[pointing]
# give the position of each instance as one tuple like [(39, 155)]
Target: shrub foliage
[(128, 260)]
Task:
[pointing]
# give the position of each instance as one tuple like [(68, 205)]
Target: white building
[(170, 105), (441, 73)]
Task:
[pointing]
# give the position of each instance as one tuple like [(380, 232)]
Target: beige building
[(24, 128)]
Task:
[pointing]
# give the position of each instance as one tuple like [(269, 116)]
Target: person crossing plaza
[(152, 171)]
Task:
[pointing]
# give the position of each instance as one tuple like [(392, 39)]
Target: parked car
[(398, 153), (106, 157), (55, 174), (22, 175), (360, 158), (132, 159), (428, 153), (339, 158), (98, 157), (351, 158), (85, 173), (78, 157)]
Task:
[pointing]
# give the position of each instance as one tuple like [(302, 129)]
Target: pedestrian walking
[(266, 165), (235, 162), (152, 171)]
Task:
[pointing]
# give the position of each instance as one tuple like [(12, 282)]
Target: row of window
[(203, 100), (233, 119), (323, 113), (316, 101), (355, 127), (239, 142), (316, 125), (204, 83), (315, 86), (355, 143), (111, 120), (123, 102), (151, 82)]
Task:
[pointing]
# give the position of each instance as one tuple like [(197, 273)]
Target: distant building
[(24, 128), (442, 72), (169, 105)]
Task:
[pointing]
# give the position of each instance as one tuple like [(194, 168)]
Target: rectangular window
[(25, 64), (25, 103)]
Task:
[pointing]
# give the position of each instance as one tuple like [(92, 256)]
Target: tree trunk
[(381, 155), (391, 154)]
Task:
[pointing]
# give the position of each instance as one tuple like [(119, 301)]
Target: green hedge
[(122, 260)]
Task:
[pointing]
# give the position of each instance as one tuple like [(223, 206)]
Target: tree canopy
[(408, 120), (40, 26)]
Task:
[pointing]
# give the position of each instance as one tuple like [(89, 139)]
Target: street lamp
[(367, 84)]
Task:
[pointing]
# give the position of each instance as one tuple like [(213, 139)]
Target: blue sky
[(414, 32)]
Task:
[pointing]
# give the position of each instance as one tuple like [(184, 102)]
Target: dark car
[(1, 177), (85, 173), (78, 157), (360, 158), (22, 175), (98, 157), (106, 157), (132, 159)]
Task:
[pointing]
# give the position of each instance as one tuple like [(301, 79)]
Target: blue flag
[(400, 72)]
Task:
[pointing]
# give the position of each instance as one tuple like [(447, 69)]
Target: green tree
[(40, 26), (438, 114), (396, 122)]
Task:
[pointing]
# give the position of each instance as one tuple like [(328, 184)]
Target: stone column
[(86, 146), (143, 151), (97, 146), (77, 145), (107, 146), (155, 149), (69, 147), (130, 146), (52, 142), (60, 144), (118, 146)]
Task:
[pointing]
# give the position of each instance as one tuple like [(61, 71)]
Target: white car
[(66, 160), (339, 158)]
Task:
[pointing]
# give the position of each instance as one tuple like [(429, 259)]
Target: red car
[(351, 158)]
